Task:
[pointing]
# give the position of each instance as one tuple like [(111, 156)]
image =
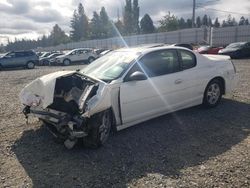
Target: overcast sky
[(33, 18)]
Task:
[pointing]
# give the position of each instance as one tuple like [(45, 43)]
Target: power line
[(213, 9)]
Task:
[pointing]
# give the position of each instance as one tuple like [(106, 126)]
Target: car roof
[(146, 49)]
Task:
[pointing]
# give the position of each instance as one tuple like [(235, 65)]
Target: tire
[(91, 59), (213, 93), (46, 63), (66, 62), (30, 65), (100, 128), (1, 67)]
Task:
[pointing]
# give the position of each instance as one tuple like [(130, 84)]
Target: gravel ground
[(195, 147)]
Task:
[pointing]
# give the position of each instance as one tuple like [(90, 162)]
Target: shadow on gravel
[(162, 145)]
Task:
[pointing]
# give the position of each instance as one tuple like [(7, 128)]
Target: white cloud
[(32, 18)]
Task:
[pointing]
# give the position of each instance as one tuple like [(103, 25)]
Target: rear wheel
[(30, 65), (213, 94), (100, 130), (66, 62), (1, 67)]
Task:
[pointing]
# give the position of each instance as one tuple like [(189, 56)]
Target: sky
[(31, 19)]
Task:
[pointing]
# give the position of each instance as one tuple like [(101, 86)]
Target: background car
[(208, 50), (47, 60), (237, 50), (26, 59), (77, 55)]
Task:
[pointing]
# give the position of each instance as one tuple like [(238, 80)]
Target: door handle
[(178, 81)]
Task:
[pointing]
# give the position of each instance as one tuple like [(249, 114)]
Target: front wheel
[(99, 130), (66, 62), (30, 65), (213, 94)]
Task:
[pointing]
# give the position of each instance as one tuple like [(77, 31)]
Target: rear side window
[(160, 63), (188, 59)]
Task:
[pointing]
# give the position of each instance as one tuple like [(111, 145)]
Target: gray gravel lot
[(195, 147)]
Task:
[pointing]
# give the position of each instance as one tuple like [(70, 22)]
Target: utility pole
[(193, 19)]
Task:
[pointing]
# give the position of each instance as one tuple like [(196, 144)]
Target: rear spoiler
[(218, 57)]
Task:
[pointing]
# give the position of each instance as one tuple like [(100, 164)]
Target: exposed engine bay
[(67, 117)]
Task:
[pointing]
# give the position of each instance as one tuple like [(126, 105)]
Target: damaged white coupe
[(124, 88)]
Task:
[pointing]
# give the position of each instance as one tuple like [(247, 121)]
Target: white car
[(126, 87), (77, 55)]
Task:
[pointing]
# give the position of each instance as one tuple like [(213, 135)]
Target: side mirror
[(137, 76)]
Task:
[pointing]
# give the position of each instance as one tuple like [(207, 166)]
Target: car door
[(74, 56), (9, 60), (190, 80), (83, 55), (155, 95)]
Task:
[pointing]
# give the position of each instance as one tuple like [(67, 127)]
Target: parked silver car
[(27, 59)]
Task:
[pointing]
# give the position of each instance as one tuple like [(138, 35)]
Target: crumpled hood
[(41, 90)]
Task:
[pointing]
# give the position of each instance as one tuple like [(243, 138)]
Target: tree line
[(100, 26)]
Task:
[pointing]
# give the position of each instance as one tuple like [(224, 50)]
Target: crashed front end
[(65, 101)]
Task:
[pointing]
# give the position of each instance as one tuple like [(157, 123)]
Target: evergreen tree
[(147, 25), (189, 23), (205, 20), (83, 24), (246, 22), (216, 23), (106, 27), (79, 25), (136, 14), (210, 24), (58, 36), (182, 23), (242, 20), (74, 34), (95, 26), (128, 17), (198, 22)]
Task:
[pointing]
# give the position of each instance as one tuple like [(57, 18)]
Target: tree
[(189, 23), (198, 22), (246, 22), (216, 23), (58, 36), (242, 20), (128, 17), (210, 24), (106, 27), (74, 34), (95, 26), (79, 25), (147, 25), (136, 14), (182, 23), (169, 23), (83, 23), (205, 20)]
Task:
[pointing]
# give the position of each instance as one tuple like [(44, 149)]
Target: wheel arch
[(222, 81)]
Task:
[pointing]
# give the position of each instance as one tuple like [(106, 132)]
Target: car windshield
[(236, 45), (110, 66)]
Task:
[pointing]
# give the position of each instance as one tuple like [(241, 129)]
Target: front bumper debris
[(59, 123)]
